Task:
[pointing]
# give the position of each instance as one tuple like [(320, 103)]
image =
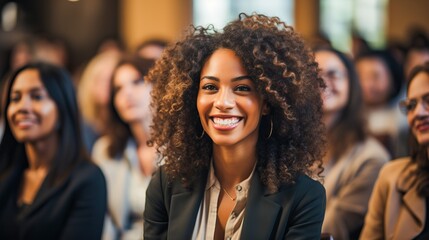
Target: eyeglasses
[(332, 75), (410, 105)]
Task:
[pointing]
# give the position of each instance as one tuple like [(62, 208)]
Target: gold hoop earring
[(271, 129), (202, 135)]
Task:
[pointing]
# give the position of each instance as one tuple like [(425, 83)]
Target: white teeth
[(226, 121)]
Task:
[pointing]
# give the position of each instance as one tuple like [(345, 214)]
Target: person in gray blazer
[(238, 123), (353, 159), (49, 189)]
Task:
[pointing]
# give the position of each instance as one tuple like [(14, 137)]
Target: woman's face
[(132, 94), (228, 103), (418, 115), (32, 114), (334, 73), (375, 81)]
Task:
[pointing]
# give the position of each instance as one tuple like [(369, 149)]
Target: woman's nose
[(421, 109), (224, 100), (24, 103)]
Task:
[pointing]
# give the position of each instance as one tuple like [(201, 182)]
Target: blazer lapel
[(184, 209), (412, 216), (44, 194), (412, 219), (260, 204)]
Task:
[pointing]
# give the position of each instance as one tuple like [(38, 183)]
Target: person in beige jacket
[(398, 204)]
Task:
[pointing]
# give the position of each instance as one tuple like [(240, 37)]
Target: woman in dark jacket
[(48, 187), (238, 122)]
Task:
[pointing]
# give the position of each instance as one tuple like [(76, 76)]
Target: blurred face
[(418, 107), (415, 57), (334, 73), (132, 94), (151, 52), (375, 81), (228, 103), (32, 114)]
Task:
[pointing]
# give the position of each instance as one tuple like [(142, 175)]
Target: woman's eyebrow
[(233, 79)]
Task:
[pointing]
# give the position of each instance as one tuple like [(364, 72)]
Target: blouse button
[(228, 238), (239, 188)]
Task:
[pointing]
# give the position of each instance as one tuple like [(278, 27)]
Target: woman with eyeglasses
[(353, 159), (398, 208)]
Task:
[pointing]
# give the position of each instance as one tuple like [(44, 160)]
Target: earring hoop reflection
[(202, 135), (271, 129)]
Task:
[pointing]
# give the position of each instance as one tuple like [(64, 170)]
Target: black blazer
[(73, 209), (296, 211)]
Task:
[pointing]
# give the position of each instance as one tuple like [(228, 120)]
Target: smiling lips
[(423, 126), (24, 123), (225, 123)]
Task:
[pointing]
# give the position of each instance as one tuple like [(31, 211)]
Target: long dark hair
[(119, 131), (70, 151), (419, 153), (349, 127)]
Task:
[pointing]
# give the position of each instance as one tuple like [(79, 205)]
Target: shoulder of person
[(304, 185), (307, 182), (99, 151), (394, 168), (372, 149), (87, 172)]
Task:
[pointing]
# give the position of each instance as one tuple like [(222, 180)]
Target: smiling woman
[(48, 187), (238, 122), (399, 205)]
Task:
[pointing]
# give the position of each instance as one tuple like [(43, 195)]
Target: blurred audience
[(110, 43), (381, 80), (353, 158), (94, 93), (359, 45), (49, 189), (51, 49), (122, 153), (151, 48), (398, 208)]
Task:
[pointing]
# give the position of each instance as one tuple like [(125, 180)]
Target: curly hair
[(285, 73)]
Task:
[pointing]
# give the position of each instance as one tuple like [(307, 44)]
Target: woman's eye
[(37, 97), (243, 88), (14, 98), (138, 81), (209, 87)]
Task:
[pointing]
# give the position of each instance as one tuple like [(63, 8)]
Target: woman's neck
[(233, 165), (139, 133), (329, 119), (41, 153)]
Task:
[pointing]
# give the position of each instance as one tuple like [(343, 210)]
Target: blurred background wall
[(84, 24)]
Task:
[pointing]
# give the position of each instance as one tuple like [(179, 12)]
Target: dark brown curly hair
[(285, 73)]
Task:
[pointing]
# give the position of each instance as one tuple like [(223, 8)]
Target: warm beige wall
[(307, 17), (144, 19), (403, 14)]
